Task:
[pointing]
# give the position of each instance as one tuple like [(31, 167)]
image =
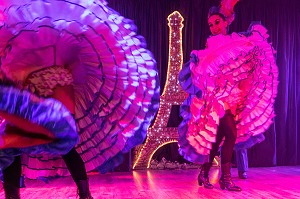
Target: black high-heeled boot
[(11, 191), (226, 181), (83, 189), (203, 176)]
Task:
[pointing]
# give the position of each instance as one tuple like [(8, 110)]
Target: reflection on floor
[(271, 182)]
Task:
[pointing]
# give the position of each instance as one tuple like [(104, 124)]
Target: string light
[(159, 134), (165, 143)]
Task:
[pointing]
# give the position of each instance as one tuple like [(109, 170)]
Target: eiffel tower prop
[(160, 134)]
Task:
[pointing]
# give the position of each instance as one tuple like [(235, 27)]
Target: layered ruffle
[(235, 72), (185, 79), (47, 113), (249, 142), (115, 78)]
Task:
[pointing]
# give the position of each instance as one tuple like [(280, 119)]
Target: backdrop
[(282, 19)]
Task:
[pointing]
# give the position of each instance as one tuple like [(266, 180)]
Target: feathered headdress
[(226, 8)]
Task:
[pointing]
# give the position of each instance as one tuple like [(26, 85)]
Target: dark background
[(281, 18)]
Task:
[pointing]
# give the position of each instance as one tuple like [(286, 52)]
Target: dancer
[(232, 85), (90, 58)]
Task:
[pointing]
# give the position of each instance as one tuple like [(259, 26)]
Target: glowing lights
[(165, 143), (159, 134), (175, 52)]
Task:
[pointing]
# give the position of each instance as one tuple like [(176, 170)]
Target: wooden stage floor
[(270, 182)]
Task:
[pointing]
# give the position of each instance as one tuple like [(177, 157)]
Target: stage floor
[(270, 182)]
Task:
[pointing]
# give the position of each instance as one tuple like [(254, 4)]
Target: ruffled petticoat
[(235, 72), (48, 113), (115, 79)]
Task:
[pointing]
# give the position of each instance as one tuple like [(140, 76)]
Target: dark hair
[(215, 11)]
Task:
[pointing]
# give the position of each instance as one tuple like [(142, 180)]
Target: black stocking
[(75, 165), (230, 133), (227, 129), (12, 174)]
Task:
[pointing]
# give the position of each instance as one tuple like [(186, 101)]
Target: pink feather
[(227, 9)]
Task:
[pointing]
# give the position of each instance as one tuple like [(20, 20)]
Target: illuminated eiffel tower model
[(159, 134)]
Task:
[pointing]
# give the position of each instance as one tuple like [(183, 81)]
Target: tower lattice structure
[(159, 134)]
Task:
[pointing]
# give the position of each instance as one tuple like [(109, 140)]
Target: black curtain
[(281, 18)]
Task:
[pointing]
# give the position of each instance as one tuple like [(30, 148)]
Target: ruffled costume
[(236, 72), (87, 45), (48, 113)]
